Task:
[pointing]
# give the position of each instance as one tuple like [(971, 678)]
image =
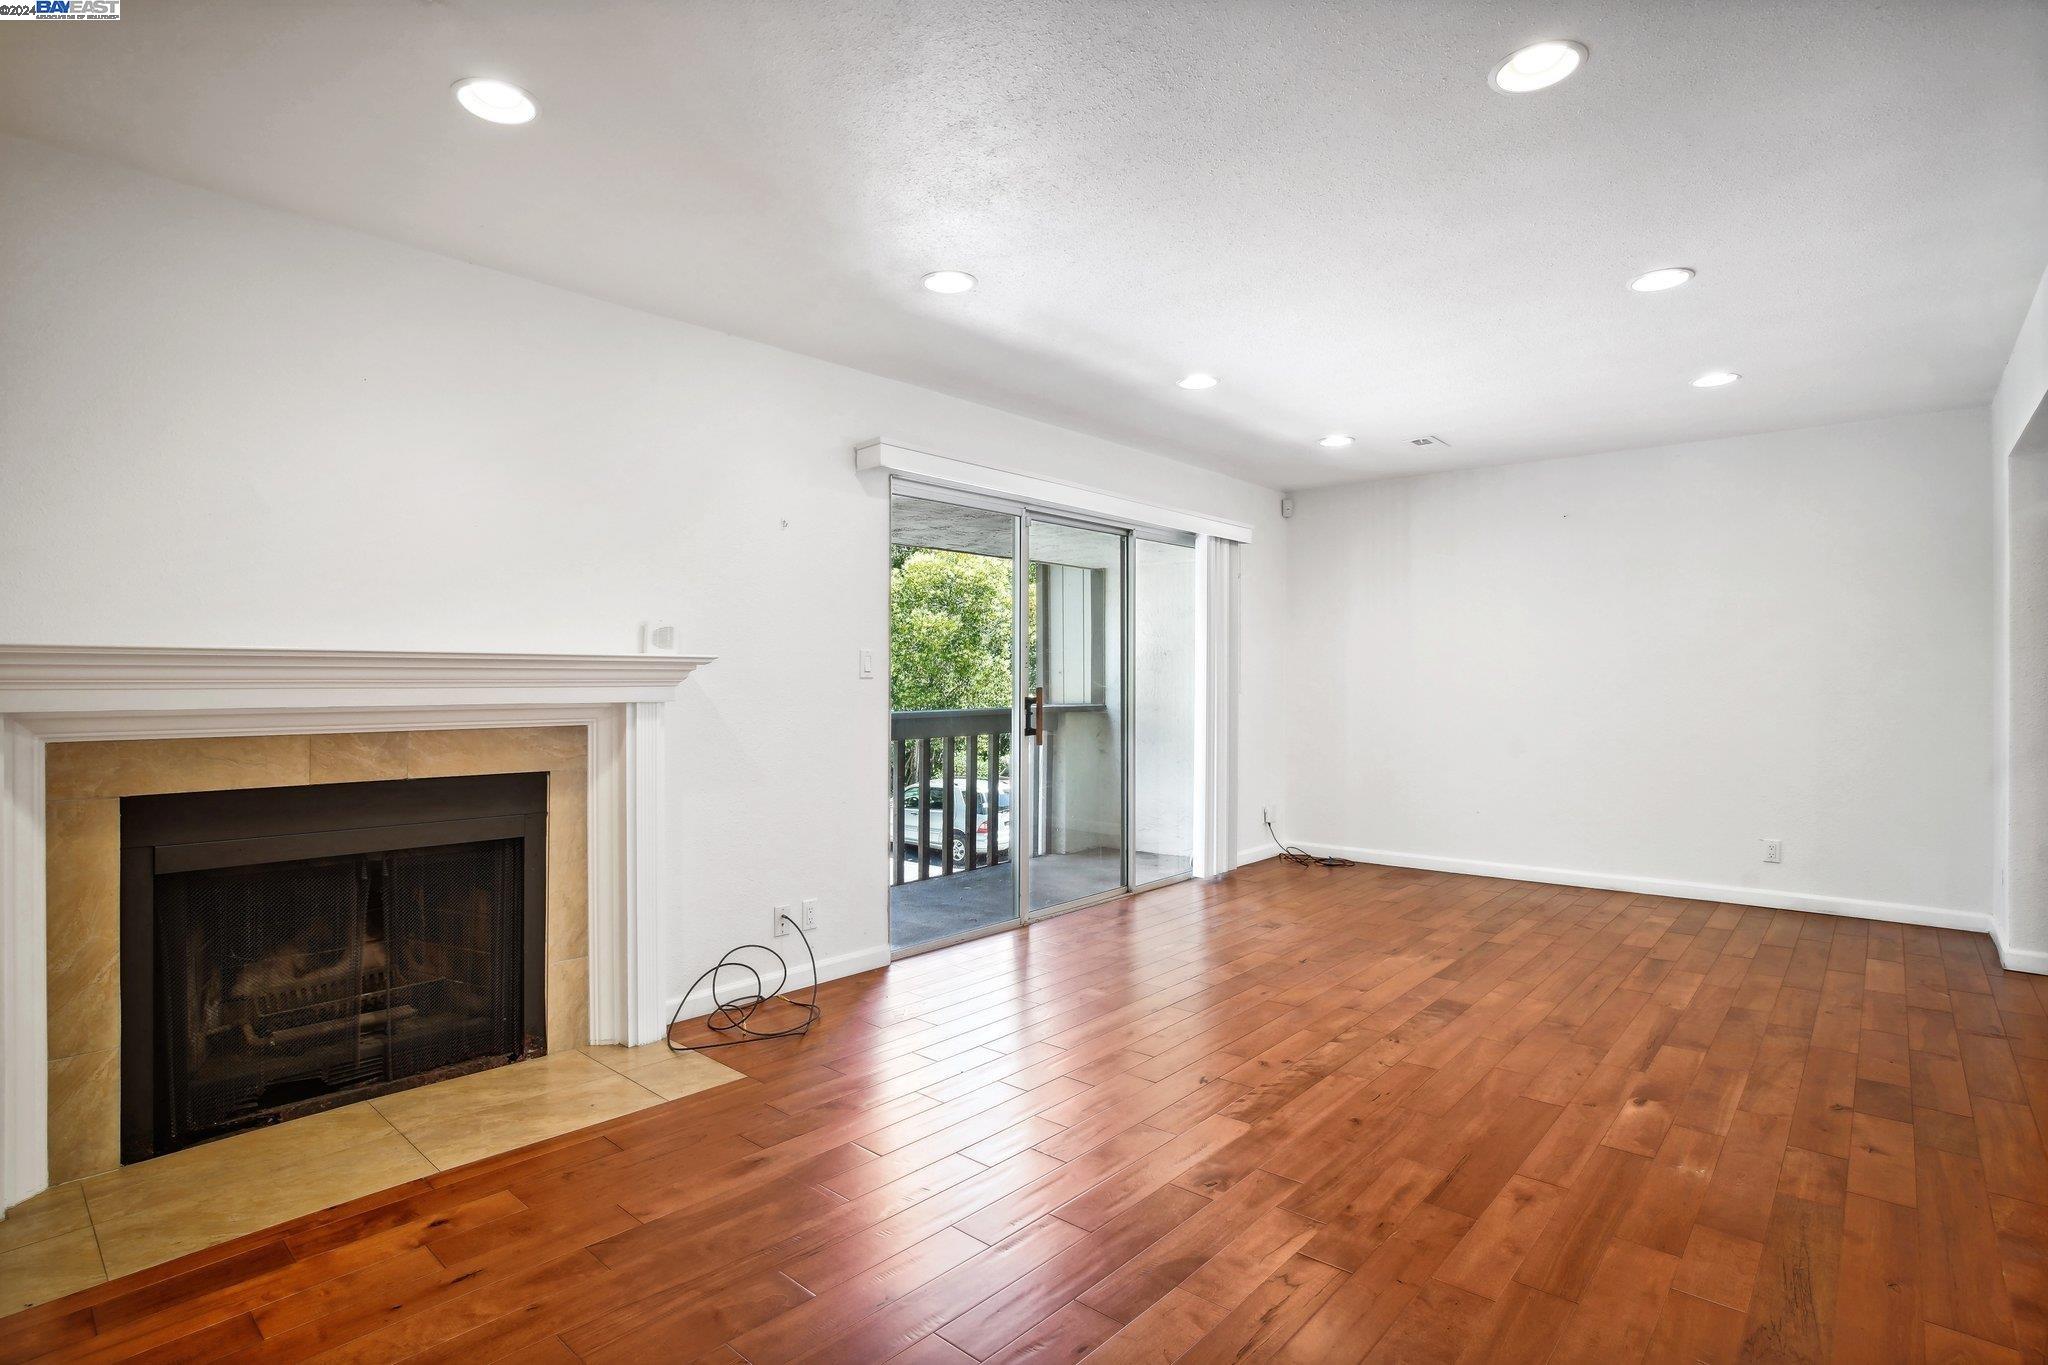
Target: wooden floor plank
[(1289, 1114)]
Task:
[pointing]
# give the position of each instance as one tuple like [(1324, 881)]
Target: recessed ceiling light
[(949, 281), (496, 101), (1199, 381), (1656, 281), (1336, 440), (1714, 379), (1538, 67)]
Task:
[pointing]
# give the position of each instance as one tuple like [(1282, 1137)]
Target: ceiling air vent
[(1428, 441)]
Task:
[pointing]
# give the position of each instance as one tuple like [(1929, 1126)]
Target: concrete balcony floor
[(938, 907)]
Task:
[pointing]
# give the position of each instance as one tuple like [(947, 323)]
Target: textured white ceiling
[(1323, 203)]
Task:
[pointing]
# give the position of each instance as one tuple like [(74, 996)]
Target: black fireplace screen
[(286, 982), (289, 950)]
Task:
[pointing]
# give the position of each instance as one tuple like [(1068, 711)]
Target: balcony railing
[(942, 747), (936, 749)]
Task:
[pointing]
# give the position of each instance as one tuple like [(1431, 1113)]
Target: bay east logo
[(60, 9)]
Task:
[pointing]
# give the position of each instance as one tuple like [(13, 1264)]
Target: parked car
[(933, 832)]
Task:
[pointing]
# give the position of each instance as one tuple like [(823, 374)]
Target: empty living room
[(963, 682)]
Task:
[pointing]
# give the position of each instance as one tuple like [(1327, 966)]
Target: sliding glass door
[(954, 697), (1075, 716), (1042, 689)]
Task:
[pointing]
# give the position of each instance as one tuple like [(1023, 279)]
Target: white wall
[(1630, 668), (223, 425)]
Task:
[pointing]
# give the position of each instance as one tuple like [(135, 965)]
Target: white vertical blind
[(1216, 772)]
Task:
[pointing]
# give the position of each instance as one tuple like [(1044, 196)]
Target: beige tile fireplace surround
[(85, 782)]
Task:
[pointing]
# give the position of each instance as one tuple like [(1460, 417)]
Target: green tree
[(949, 630)]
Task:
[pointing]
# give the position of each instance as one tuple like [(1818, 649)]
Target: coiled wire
[(730, 1014)]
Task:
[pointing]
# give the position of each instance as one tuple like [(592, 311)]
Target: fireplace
[(286, 950)]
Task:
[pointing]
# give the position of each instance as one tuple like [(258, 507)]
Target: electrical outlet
[(810, 915), (781, 924), (1266, 814), (1774, 850)]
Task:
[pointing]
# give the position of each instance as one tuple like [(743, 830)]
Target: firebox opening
[(289, 950)]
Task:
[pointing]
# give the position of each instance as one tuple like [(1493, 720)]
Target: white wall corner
[(2019, 445), (2021, 959), (2018, 401)]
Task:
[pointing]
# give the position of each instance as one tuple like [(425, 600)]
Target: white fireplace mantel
[(53, 693)]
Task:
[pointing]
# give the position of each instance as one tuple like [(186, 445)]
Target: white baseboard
[(829, 969), (1890, 912), (1258, 853), (2020, 959)]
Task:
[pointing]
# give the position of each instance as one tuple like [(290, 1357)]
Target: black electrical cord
[(1301, 857), (731, 1015)]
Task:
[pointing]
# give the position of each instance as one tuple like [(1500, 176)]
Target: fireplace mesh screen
[(283, 985), (454, 987)]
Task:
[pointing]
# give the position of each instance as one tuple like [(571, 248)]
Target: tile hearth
[(79, 1234)]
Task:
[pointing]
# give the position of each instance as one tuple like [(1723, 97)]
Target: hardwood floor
[(1292, 1115)]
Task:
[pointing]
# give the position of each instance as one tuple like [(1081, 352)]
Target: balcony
[(950, 868)]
